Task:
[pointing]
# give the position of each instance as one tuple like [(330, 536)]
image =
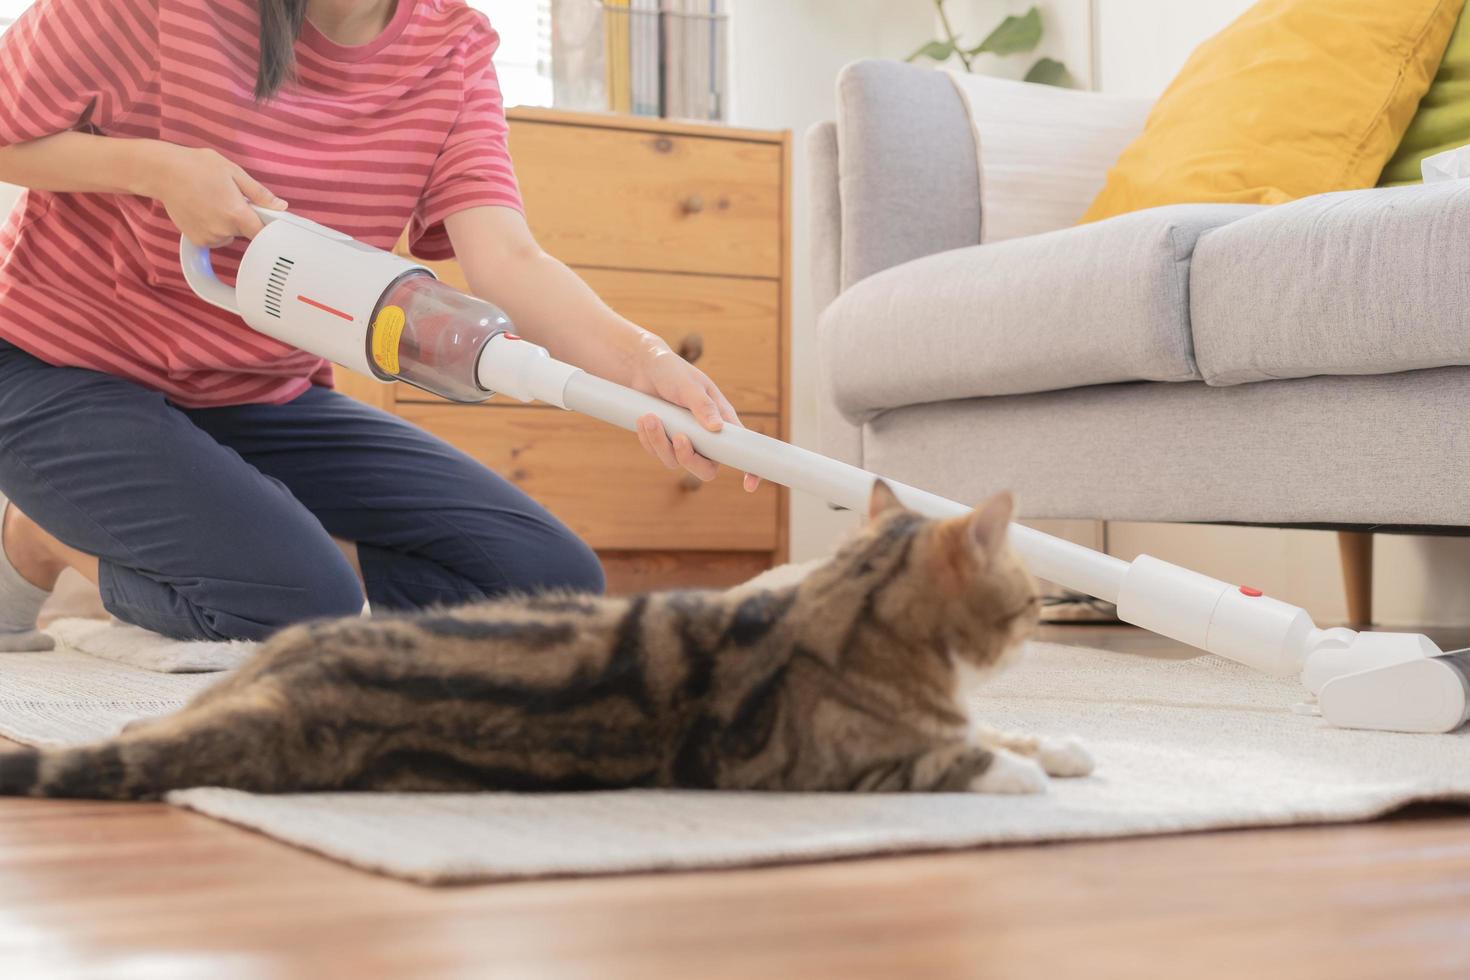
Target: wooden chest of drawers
[(685, 230)]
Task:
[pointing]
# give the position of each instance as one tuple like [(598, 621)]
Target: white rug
[(63, 696), (137, 647), (1181, 745)]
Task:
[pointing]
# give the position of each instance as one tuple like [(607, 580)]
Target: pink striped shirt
[(399, 132)]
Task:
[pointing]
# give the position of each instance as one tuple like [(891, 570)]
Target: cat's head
[(955, 583)]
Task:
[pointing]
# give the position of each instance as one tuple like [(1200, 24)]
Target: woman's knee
[(573, 567), (334, 590), (555, 560), (318, 586)]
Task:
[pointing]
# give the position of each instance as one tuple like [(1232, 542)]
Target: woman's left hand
[(662, 373)]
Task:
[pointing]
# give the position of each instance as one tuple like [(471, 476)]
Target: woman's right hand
[(208, 197)]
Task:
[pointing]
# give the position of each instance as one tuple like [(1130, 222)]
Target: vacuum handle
[(198, 264)]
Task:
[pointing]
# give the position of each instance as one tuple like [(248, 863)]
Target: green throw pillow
[(1443, 119)]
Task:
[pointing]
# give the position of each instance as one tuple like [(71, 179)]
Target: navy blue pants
[(218, 523)]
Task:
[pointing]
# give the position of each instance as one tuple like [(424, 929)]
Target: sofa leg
[(1355, 548)]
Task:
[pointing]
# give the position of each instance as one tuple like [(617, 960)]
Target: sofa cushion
[(1357, 282), (1089, 305)]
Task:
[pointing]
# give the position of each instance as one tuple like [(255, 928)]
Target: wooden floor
[(143, 890)]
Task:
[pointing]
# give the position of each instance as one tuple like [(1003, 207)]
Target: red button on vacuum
[(1253, 593)]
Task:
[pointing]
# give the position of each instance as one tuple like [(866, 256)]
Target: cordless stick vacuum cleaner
[(388, 318)]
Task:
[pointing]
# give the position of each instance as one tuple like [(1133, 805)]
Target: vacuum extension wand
[(389, 318)]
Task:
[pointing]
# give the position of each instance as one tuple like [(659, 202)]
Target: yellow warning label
[(387, 331)]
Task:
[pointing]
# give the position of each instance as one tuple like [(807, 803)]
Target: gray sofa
[(1296, 365)]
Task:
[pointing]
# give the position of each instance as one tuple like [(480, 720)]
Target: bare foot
[(36, 555)]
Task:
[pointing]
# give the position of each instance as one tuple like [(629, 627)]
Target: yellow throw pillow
[(1296, 97)]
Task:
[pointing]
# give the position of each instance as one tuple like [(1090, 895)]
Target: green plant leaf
[(1014, 35), (934, 50), (1048, 71)]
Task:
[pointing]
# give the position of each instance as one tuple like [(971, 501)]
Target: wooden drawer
[(639, 200), (731, 328), (631, 572), (601, 483)]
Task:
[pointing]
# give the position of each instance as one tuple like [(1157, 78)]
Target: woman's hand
[(662, 373), (207, 196)]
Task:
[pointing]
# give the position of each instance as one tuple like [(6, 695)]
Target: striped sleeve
[(69, 64), (474, 168)]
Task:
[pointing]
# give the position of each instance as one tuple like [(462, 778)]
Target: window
[(524, 61), (10, 10)]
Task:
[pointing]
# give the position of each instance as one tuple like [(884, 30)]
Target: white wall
[(1142, 44)]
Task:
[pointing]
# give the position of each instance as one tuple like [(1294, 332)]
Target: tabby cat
[(855, 678)]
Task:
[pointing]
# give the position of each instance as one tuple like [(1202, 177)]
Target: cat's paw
[(1065, 757), (1010, 773)]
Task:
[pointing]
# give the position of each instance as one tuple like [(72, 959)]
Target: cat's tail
[(92, 772), (20, 772), (147, 763)]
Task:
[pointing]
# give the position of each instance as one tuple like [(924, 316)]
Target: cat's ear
[(882, 500), (990, 520)]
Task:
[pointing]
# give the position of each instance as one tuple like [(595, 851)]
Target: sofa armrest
[(824, 214), (837, 437), (899, 176)]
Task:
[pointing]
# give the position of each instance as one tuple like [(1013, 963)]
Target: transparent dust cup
[(430, 335)]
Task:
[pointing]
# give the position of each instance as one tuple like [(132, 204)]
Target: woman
[(204, 476)]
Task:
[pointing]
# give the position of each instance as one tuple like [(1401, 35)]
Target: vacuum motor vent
[(275, 287)]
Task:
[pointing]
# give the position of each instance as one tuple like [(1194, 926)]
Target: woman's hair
[(280, 25)]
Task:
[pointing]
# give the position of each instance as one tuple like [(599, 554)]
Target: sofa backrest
[(1044, 151), (903, 170)]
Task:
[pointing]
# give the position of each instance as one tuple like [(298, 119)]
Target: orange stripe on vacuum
[(325, 308)]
